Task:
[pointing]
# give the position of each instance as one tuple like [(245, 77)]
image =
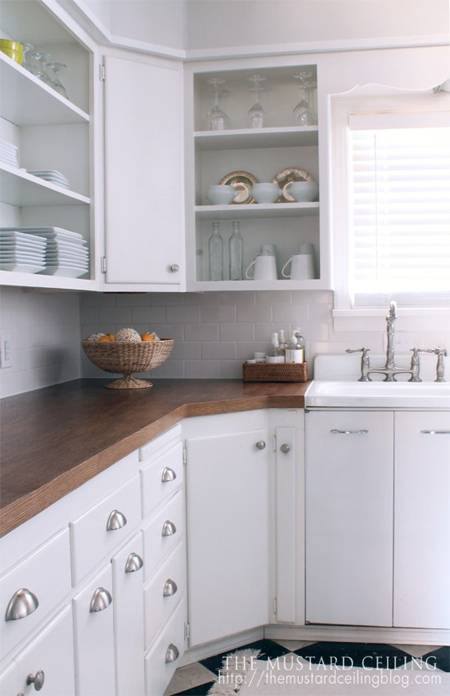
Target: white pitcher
[(265, 268)]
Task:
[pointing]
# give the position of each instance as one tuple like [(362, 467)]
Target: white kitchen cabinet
[(228, 522), (144, 247), (349, 517), (422, 520), (51, 132), (94, 637), (261, 152)]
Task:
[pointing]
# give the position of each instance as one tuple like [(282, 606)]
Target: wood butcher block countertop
[(55, 439)]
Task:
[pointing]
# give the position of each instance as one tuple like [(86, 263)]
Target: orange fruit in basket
[(147, 337), (104, 339), (111, 336)]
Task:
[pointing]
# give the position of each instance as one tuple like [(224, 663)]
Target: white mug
[(265, 268), (302, 267)]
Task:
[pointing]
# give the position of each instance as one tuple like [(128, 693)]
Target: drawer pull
[(168, 475), (134, 563), (22, 604), (170, 588), (101, 599), (172, 654), (435, 432), (168, 529), (285, 449), (349, 432), (116, 520), (261, 445), (38, 680)]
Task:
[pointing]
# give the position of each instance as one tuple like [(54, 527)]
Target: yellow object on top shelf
[(13, 49)]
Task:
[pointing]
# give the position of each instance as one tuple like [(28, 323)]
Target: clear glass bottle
[(236, 253), (295, 352), (215, 253), (282, 341)]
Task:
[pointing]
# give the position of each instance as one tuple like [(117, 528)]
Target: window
[(391, 201)]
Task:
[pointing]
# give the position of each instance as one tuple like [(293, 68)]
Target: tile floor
[(197, 679)]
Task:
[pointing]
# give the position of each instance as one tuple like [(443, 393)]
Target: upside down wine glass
[(56, 83), (217, 117), (255, 114), (303, 112)]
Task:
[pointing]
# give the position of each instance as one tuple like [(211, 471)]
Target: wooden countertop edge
[(31, 504)]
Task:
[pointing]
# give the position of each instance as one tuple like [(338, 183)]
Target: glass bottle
[(295, 351), (215, 253), (236, 253), (282, 341)]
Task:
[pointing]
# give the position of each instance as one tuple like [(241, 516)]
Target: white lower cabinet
[(94, 637), (165, 655), (422, 520), (227, 483)]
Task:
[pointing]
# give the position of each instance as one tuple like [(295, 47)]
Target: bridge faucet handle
[(365, 362), (441, 353), (415, 364), (364, 351)]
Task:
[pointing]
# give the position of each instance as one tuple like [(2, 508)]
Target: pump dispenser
[(295, 352)]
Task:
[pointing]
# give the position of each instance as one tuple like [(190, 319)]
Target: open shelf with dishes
[(46, 149), (283, 148)]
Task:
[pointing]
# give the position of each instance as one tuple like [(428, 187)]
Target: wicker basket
[(127, 357), (275, 372)]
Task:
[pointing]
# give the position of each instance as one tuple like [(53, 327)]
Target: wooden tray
[(273, 372)]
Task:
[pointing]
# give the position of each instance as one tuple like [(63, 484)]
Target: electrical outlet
[(5, 350)]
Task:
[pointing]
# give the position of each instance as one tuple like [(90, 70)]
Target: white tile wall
[(45, 339)]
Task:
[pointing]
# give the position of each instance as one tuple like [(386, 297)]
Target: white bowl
[(221, 194), (304, 191), (266, 192)]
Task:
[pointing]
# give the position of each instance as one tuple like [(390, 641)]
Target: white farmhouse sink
[(341, 394)]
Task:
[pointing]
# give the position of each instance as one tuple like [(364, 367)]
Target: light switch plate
[(5, 350)]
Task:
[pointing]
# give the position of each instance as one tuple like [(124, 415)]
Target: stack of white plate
[(21, 252), (66, 253), (50, 175), (8, 153)]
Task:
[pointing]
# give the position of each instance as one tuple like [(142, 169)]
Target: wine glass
[(41, 59), (217, 117), (303, 112), (56, 83), (27, 48), (255, 114)]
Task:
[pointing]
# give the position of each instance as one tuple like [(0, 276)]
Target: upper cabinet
[(144, 231), (47, 168), (253, 121)]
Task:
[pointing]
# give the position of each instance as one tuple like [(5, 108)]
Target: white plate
[(20, 268), (64, 271), (51, 232)]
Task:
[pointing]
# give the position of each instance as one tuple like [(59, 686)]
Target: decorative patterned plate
[(242, 183), (287, 176)]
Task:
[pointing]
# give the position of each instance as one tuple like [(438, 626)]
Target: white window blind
[(399, 211)]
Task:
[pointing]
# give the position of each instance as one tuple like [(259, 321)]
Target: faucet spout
[(391, 317)]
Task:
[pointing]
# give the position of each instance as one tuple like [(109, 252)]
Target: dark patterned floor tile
[(267, 648), (439, 658), (200, 690), (369, 655)]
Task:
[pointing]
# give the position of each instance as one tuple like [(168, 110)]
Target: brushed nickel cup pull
[(349, 432), (116, 520), (170, 588), (101, 599), (172, 654), (168, 475), (38, 680), (285, 449), (435, 432), (168, 529), (134, 563), (261, 445), (22, 604)]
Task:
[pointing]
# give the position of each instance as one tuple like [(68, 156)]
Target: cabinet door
[(128, 611), (228, 533), (94, 637), (422, 520), (349, 518), (144, 172)]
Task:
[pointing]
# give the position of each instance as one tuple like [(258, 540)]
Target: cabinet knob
[(134, 563), (168, 529), (174, 268), (285, 449), (101, 599), (261, 445), (170, 588), (168, 475), (116, 520), (22, 604), (38, 680), (172, 654)]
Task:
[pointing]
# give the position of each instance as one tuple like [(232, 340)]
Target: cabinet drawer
[(45, 574), (161, 478), (166, 653), (96, 533), (163, 592), (163, 532)]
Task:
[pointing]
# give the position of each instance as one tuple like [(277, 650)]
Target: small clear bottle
[(282, 341), (215, 245), (236, 249)]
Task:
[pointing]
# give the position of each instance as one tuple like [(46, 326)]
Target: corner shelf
[(256, 210), (248, 138)]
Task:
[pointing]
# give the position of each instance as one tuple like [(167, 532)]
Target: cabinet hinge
[(275, 606), (101, 72), (274, 443), (103, 264), (187, 631), (184, 454)]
